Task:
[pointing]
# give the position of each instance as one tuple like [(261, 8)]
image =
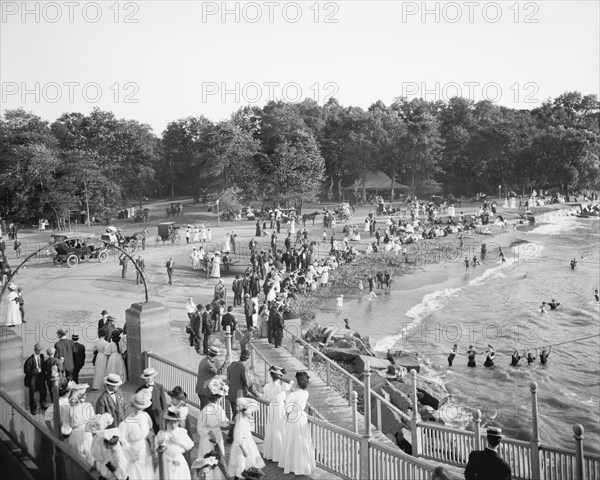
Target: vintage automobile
[(74, 248), (168, 231)]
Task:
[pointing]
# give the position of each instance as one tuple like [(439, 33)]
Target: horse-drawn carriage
[(168, 231), (114, 237), (72, 249)]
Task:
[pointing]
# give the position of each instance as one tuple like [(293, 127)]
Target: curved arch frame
[(105, 242)]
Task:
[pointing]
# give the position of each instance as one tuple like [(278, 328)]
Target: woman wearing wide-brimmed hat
[(79, 412), (177, 442), (137, 435), (244, 452), (298, 454), (210, 422), (275, 391)]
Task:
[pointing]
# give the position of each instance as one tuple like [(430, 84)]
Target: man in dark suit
[(228, 320), (102, 320), (196, 327), (240, 380), (487, 464), (78, 357), (248, 310), (237, 291), (207, 369), (34, 377), (207, 329), (111, 400), (50, 362), (64, 349), (159, 399)]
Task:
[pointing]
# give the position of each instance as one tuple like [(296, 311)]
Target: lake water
[(500, 306)]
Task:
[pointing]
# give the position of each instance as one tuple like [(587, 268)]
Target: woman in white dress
[(298, 455), (194, 258), (100, 346), (227, 245), (177, 441), (115, 362), (275, 391), (244, 452), (292, 226), (211, 420), (451, 211), (13, 314), (215, 271), (209, 234), (325, 275), (196, 232), (203, 233), (79, 413), (367, 224), (137, 436)]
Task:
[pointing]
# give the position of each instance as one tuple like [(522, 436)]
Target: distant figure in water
[(475, 261), (545, 354), (371, 281), (489, 357), (531, 357), (340, 304), (361, 287), (573, 264), (453, 354), (553, 304), (515, 358), (596, 295), (543, 307), (467, 267), (346, 324), (501, 255), (471, 356)]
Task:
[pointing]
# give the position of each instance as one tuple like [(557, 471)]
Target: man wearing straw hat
[(487, 464), (112, 401), (240, 384), (159, 399)]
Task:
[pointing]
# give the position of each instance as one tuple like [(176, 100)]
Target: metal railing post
[(580, 473), (310, 355), (162, 463), (55, 389), (477, 429), (534, 450), (252, 357), (228, 340), (414, 422), (350, 386)]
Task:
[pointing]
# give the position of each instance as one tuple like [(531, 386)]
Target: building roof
[(377, 181)]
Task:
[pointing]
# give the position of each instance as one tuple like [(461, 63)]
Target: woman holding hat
[(210, 422), (177, 442), (137, 436), (298, 454), (178, 398), (107, 451), (244, 452), (275, 391)]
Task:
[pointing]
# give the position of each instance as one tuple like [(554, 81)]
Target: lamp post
[(218, 216)]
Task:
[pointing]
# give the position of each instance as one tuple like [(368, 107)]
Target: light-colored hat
[(149, 373), (98, 422), (172, 413), (12, 286), (200, 463), (213, 351), (217, 386), (276, 370), (113, 379), (80, 386), (494, 432), (141, 400), (248, 405)]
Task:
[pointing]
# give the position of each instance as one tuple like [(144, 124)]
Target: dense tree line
[(289, 152)]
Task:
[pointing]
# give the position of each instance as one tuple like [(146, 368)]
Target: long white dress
[(211, 419), (242, 439), (115, 363), (196, 237), (209, 234), (276, 392), (325, 275), (136, 432), (298, 454), (13, 314), (227, 245), (177, 442), (292, 227), (101, 363), (80, 440), (216, 267), (367, 224), (203, 233)]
